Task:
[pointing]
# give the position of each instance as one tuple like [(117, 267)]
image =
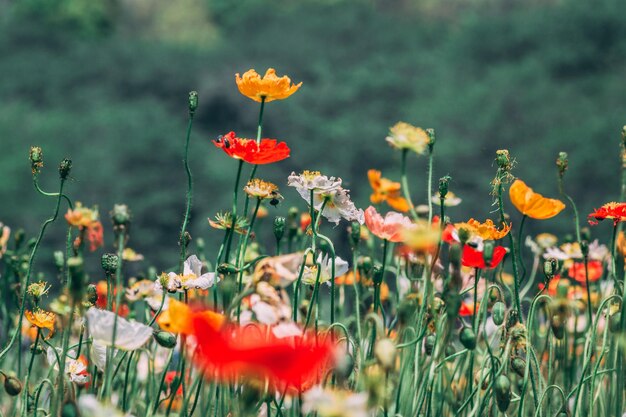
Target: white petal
[(264, 313), (98, 355), (283, 330), (202, 282), (130, 335), (192, 265)]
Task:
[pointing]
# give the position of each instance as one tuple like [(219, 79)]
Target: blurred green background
[(105, 82)]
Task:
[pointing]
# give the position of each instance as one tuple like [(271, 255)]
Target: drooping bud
[(227, 269), (385, 351), (561, 163), (502, 389), (12, 385), (110, 263), (64, 168), (36, 159), (519, 366), (455, 255), (165, 339), (429, 344), (193, 102), (467, 337), (355, 234), (279, 228)]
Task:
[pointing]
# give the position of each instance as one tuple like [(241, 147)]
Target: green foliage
[(536, 79)]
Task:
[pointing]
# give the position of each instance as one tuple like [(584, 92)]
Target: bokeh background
[(105, 82)]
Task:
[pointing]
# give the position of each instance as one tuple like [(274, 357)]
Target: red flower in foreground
[(473, 258), (614, 211), (577, 271), (467, 309), (265, 152), (234, 351)]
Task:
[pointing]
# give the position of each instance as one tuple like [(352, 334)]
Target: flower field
[(410, 312)]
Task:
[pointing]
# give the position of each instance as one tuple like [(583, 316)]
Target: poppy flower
[(577, 271), (269, 88), (41, 319), (612, 210), (474, 259), (533, 204), (467, 309), (178, 318), (234, 352), (486, 231), (407, 137), (130, 334), (391, 227), (387, 191), (266, 152)]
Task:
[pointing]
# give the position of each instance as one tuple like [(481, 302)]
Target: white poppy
[(130, 335), (286, 329), (309, 275), (192, 278), (330, 403)]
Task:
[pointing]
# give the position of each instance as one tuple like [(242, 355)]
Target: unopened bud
[(110, 263), (120, 215), (279, 228), (165, 339), (77, 274), (193, 102), (455, 254), (584, 248), (488, 251), (432, 139), (64, 168), (59, 259), (12, 385), (503, 159), (561, 163), (385, 351), (549, 267), (92, 294), (378, 274), (355, 233), (443, 186), (36, 159), (227, 269)]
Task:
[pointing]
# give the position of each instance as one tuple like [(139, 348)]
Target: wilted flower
[(392, 227), (309, 275), (260, 189), (269, 88), (334, 403), (533, 204), (266, 151), (192, 277), (407, 137), (224, 221), (130, 334), (387, 191)]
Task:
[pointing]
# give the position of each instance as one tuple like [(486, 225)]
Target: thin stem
[(405, 184), (231, 231), (183, 230)]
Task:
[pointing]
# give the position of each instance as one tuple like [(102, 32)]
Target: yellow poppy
[(386, 190), (405, 136), (271, 87), (41, 319), (533, 204), (178, 318)]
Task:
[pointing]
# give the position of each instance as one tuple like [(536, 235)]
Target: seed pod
[(429, 344), (498, 312), (165, 339), (502, 389), (12, 385), (468, 338), (519, 366), (110, 261), (344, 367), (92, 294)]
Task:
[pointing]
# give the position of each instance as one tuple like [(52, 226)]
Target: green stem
[(518, 305), (183, 230), (231, 231), (405, 184), (430, 185), (242, 253)]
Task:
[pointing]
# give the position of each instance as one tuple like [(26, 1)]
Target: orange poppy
[(266, 152), (594, 269), (612, 210), (41, 319), (533, 204), (179, 316), (386, 190), (271, 87)]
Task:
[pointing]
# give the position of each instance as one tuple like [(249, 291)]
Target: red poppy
[(473, 258), (265, 152), (101, 302), (234, 351), (577, 271), (95, 235), (467, 309), (614, 211)]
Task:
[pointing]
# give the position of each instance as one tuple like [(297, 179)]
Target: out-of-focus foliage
[(106, 83)]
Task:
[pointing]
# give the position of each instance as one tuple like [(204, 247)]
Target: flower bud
[(584, 248), (443, 186), (165, 339), (488, 251), (455, 255), (110, 263), (69, 409), (355, 233), (279, 227), (585, 233), (549, 268), (92, 294), (120, 215), (227, 269), (464, 235), (378, 274), (519, 366), (344, 366), (385, 351), (429, 344), (200, 244), (497, 313), (365, 264), (467, 337), (12, 385), (431, 135), (561, 163), (59, 259), (36, 159), (502, 389), (193, 102), (562, 289), (77, 274), (503, 159), (64, 168)]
